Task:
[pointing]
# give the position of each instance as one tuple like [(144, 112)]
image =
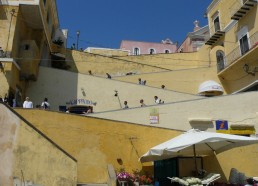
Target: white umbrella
[(196, 143)]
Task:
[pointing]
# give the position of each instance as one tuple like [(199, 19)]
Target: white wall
[(62, 86), (237, 109)]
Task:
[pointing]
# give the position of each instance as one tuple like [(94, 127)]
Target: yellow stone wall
[(4, 82), (26, 154), (9, 78), (186, 81), (82, 62), (6, 37), (182, 72), (98, 142), (120, 65)]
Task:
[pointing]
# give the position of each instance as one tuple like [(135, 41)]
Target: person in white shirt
[(45, 104), (27, 103), (157, 100)]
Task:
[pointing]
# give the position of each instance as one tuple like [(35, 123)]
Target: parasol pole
[(195, 162)]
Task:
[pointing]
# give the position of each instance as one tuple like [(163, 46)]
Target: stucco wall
[(26, 154), (9, 127), (98, 142), (99, 64), (62, 86), (120, 65), (237, 109), (4, 81), (144, 47), (187, 81), (95, 143)]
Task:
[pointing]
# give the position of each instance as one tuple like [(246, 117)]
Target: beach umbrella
[(196, 143)]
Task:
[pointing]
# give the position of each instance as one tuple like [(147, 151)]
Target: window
[(220, 60), (216, 21), (44, 1), (242, 37), (244, 46), (26, 47), (216, 24), (167, 51), (152, 51), (136, 51)]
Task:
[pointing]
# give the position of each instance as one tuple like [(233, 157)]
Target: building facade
[(30, 36), (233, 39), (194, 40), (139, 48)]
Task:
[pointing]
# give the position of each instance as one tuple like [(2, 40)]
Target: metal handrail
[(236, 53)]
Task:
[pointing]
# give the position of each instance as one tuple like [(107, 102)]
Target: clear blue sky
[(105, 23)]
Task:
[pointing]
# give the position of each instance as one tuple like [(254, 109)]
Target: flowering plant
[(123, 176), (142, 177), (145, 180)]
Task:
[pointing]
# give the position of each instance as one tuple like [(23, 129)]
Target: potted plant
[(145, 180), (124, 178), (58, 41)]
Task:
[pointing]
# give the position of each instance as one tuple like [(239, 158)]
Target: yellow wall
[(95, 143), (120, 65), (27, 155), (4, 81), (9, 78), (98, 142), (187, 81)]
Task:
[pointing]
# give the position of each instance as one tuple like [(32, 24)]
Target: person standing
[(125, 105), (27, 103), (45, 105), (142, 103), (157, 100)]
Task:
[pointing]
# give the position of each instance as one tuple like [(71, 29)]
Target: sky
[(105, 23)]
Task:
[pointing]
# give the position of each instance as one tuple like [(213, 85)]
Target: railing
[(237, 52), (216, 27)]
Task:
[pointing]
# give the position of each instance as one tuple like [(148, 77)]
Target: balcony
[(240, 9), (216, 33), (31, 16), (241, 53)]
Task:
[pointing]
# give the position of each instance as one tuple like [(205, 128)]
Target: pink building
[(138, 47)]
